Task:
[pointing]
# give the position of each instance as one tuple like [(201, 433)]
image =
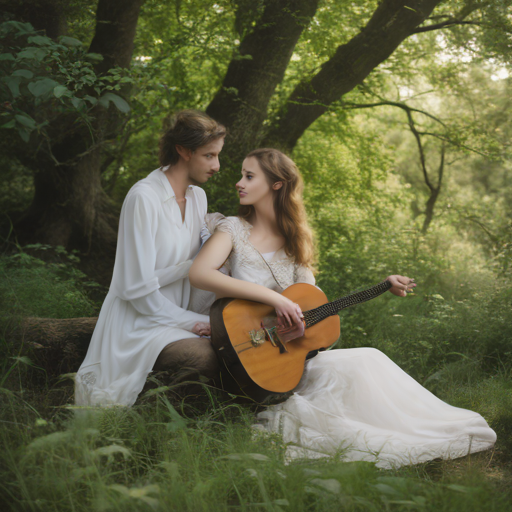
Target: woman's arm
[(204, 274)]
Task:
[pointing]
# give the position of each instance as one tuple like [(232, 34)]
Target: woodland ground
[(201, 454)]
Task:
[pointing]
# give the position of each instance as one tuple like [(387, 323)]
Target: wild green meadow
[(201, 453)]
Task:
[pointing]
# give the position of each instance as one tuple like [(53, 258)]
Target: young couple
[(355, 400)]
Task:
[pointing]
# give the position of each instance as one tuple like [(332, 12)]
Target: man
[(144, 322)]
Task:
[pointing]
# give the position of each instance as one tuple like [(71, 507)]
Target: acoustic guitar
[(257, 362)]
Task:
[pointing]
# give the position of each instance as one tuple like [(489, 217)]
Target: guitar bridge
[(257, 337)]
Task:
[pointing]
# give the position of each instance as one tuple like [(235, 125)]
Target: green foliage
[(432, 336), (33, 287), (129, 459), (182, 51), (43, 80)]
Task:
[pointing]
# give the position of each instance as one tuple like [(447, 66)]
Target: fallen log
[(58, 346)]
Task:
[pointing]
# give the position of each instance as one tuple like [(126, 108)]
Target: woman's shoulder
[(303, 274)]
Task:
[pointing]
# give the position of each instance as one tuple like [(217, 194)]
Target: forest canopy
[(394, 109)]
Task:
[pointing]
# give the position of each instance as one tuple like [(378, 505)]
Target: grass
[(164, 454), (155, 457)]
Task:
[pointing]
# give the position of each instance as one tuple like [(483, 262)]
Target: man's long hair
[(191, 129), (289, 207)]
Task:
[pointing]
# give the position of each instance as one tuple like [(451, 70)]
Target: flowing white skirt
[(359, 404)]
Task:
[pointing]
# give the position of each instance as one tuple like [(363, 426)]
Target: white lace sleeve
[(211, 220), (303, 274)]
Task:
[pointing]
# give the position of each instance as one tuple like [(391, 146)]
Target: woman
[(354, 401)]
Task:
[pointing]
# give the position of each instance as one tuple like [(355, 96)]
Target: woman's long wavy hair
[(289, 208)]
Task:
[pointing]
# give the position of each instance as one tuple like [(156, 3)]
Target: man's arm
[(135, 278)]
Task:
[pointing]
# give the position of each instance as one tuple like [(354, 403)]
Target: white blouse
[(146, 306)]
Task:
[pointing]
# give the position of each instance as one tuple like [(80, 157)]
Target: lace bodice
[(246, 263)]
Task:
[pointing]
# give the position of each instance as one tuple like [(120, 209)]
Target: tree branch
[(445, 24), (444, 138), (392, 22), (434, 194), (403, 106), (417, 136)]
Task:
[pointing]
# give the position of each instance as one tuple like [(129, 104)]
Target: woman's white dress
[(354, 402), (146, 306)]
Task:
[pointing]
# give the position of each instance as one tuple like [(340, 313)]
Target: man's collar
[(169, 192)]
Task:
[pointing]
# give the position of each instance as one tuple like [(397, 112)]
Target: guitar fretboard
[(313, 316)]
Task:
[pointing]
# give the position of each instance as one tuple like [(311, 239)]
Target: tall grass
[(202, 454), (152, 457)]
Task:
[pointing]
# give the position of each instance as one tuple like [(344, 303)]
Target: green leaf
[(119, 102), (50, 441), (244, 456), (25, 121), (459, 488), (70, 41), (24, 134), (109, 451), (10, 124), (329, 484), (60, 91), (32, 53), (22, 28), (78, 103), (25, 73), (23, 359), (93, 101), (41, 87), (7, 56), (40, 40), (13, 82), (93, 57)]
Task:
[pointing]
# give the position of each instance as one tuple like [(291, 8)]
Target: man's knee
[(194, 354)]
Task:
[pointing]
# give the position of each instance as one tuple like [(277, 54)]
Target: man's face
[(203, 163)]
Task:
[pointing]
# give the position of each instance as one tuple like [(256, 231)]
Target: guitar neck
[(313, 316)]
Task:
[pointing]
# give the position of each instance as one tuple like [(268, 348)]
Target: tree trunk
[(252, 77), (69, 207), (434, 192)]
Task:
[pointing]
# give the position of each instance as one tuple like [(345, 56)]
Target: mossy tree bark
[(69, 207), (257, 69)]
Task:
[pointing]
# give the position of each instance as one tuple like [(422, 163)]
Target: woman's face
[(253, 187)]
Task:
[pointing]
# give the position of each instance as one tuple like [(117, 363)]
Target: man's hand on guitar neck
[(401, 285)]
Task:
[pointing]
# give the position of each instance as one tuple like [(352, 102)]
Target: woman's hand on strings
[(288, 312), (401, 285)]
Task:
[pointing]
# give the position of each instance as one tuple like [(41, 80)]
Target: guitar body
[(264, 370)]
